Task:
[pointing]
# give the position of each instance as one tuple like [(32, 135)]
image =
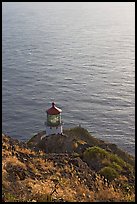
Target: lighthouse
[(54, 123)]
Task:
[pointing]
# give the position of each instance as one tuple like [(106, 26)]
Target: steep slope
[(58, 169)]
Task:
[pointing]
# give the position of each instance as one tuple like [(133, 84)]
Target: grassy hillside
[(73, 167)]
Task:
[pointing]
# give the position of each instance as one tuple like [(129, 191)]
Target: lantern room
[(53, 124)]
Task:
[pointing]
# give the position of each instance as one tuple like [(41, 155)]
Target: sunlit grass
[(38, 178)]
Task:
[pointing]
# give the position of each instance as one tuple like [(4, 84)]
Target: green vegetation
[(109, 173), (10, 197), (96, 153), (108, 164), (115, 166)]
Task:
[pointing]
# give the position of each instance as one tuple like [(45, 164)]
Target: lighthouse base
[(54, 130)]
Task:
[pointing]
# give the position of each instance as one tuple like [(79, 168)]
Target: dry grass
[(49, 179), (44, 164), (110, 192), (12, 160), (69, 189), (25, 150)]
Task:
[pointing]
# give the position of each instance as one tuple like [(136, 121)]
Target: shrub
[(10, 197), (95, 156), (115, 166), (117, 159), (98, 158), (109, 173), (96, 153)]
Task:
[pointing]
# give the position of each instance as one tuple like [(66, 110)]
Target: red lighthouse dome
[(54, 110)]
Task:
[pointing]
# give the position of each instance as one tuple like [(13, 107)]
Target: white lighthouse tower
[(54, 123)]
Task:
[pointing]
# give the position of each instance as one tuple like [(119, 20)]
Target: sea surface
[(80, 55)]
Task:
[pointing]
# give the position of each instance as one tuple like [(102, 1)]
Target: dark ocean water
[(82, 56)]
